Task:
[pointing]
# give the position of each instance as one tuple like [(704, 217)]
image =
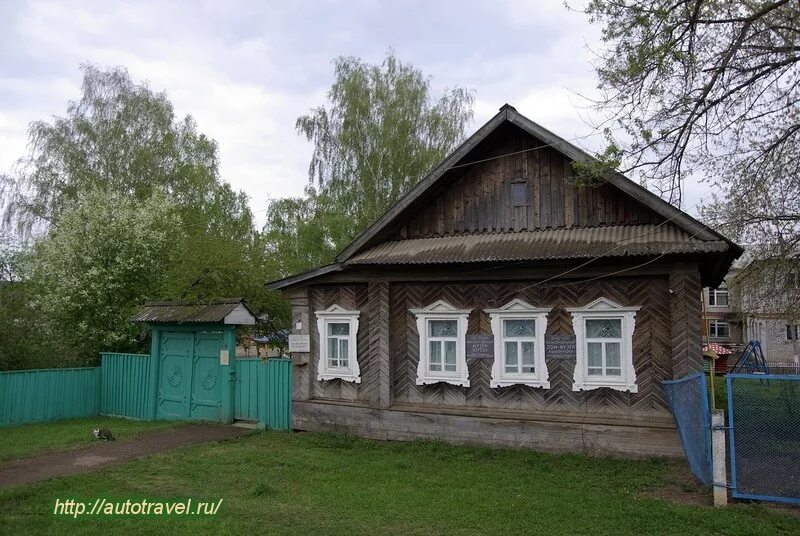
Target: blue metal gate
[(764, 421)]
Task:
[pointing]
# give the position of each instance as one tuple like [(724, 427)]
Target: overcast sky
[(247, 70)]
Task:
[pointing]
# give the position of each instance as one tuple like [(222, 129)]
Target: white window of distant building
[(519, 329), (442, 344), (719, 329), (604, 346), (718, 297), (338, 356), (792, 332)]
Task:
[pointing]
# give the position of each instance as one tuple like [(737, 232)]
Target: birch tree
[(380, 132)]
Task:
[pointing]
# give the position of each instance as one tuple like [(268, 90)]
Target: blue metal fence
[(688, 400), (764, 421)]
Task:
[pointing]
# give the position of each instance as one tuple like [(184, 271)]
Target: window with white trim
[(442, 346), (519, 329), (338, 351), (719, 329), (718, 297), (604, 346)]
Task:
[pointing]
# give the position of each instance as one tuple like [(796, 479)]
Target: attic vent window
[(519, 193)]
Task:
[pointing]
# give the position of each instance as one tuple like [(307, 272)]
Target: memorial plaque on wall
[(480, 347), (559, 347), (299, 343)]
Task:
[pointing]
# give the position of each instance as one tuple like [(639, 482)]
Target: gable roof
[(510, 114), (681, 234), (226, 311)]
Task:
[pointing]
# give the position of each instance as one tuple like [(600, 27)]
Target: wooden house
[(499, 303)]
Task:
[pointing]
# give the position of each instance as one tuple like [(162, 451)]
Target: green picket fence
[(264, 392), (125, 385), (246, 406), (276, 410), (120, 387), (49, 395)]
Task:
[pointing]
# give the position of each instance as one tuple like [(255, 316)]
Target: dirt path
[(105, 454)]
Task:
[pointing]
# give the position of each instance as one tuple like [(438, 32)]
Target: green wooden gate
[(192, 382)]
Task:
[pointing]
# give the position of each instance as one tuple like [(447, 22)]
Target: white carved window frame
[(338, 315), (442, 310), (604, 309), (519, 310)]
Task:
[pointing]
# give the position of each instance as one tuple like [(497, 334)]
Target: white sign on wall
[(299, 343), (223, 357)]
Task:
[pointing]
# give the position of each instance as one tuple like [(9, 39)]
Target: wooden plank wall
[(350, 297), (651, 347), (685, 320), (301, 316), (388, 345), (478, 197)]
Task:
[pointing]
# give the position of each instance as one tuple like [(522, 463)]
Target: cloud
[(247, 70)]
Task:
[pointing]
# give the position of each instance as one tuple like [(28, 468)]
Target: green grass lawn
[(280, 483), (30, 439)]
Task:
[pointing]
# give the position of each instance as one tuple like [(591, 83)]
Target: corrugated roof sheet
[(540, 245), (213, 311)]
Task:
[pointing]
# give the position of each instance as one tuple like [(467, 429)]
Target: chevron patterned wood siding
[(388, 344), (350, 297), (651, 346)]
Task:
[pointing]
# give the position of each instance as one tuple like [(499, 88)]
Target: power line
[(488, 159), (611, 274), (619, 244)]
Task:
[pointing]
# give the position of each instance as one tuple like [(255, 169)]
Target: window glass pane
[(450, 354), (519, 328), (595, 354), (511, 356), (527, 357), (595, 371), (436, 353), (612, 354), (443, 328), (719, 328), (604, 329), (333, 348), (722, 297), (435, 357), (519, 193), (613, 372), (343, 353), (338, 328)]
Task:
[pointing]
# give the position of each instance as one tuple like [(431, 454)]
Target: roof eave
[(287, 282)]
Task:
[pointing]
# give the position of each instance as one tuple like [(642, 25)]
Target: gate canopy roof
[(223, 311)]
